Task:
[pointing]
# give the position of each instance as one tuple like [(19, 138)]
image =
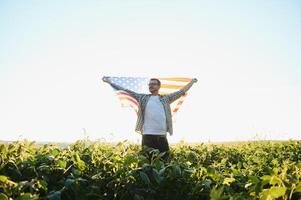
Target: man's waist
[(154, 135)]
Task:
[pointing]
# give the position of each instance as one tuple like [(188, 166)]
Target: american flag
[(140, 85)]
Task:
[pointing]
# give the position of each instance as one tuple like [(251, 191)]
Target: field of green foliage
[(93, 170)]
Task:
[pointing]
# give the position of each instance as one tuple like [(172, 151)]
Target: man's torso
[(154, 117)]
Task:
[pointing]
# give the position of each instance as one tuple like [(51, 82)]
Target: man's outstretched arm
[(175, 95), (118, 87)]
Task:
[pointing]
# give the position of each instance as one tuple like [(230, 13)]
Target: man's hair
[(159, 82)]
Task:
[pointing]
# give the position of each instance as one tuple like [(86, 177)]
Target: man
[(154, 113)]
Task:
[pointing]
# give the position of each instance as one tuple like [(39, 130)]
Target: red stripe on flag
[(128, 98)]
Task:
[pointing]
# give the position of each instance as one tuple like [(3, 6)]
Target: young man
[(154, 113)]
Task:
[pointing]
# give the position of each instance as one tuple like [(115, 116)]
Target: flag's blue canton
[(138, 85)]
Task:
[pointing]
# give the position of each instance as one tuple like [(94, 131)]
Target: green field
[(93, 170)]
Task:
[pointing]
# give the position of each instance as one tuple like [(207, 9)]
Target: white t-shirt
[(154, 117)]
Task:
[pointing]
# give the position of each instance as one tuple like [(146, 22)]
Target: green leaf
[(3, 179), (265, 179), (275, 180), (80, 164), (254, 179), (69, 182), (55, 152), (227, 181), (27, 196), (144, 177), (264, 195), (42, 185), (3, 197), (217, 193), (276, 192), (161, 171), (178, 171), (97, 176), (3, 149), (54, 195), (62, 163), (298, 188), (207, 183), (157, 176)]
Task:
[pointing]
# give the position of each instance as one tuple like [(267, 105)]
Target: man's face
[(153, 86)]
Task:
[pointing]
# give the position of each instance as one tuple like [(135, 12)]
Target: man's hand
[(105, 79), (195, 80)]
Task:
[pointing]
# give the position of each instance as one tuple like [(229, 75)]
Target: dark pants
[(157, 142)]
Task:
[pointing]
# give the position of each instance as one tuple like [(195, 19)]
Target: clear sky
[(245, 55)]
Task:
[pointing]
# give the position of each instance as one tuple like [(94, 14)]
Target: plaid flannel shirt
[(166, 100)]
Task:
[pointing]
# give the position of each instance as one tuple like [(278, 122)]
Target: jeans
[(157, 142)]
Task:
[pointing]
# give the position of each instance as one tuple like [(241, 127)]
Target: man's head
[(154, 85)]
